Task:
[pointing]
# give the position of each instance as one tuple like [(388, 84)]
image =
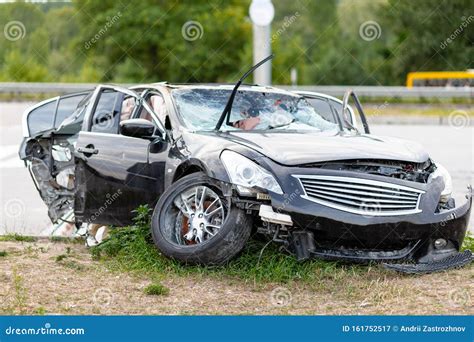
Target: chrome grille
[(361, 196)]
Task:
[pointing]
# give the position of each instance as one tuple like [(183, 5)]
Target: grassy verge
[(17, 238), (131, 249)]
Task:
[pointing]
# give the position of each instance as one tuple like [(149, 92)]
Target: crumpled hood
[(303, 148)]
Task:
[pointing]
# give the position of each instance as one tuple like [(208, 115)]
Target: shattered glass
[(251, 110)]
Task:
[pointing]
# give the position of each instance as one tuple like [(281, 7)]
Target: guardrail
[(338, 91)]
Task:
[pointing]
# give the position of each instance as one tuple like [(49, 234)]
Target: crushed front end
[(360, 211)]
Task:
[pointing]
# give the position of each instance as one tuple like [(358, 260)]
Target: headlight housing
[(448, 182), (246, 173)]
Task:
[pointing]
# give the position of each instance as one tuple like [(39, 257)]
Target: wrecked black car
[(219, 163)]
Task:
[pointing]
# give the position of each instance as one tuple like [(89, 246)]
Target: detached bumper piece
[(452, 261)]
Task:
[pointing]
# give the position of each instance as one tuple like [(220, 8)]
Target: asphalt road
[(22, 211)]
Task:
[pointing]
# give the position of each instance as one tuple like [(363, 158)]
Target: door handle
[(88, 150)]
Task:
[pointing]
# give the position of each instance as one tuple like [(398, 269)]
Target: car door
[(113, 173), (328, 106)]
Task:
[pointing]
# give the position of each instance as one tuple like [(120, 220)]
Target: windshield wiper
[(228, 108)]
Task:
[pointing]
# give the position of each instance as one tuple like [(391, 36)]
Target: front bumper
[(338, 234)]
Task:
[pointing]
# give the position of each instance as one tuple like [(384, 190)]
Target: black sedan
[(219, 163)]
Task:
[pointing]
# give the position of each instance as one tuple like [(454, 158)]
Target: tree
[(430, 36)]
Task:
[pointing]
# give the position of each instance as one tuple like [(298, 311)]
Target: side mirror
[(137, 128)]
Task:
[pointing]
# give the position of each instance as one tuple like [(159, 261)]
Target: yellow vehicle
[(441, 79)]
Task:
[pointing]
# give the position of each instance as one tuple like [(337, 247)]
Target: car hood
[(303, 148)]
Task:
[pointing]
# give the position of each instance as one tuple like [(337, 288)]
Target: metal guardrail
[(338, 91), (390, 92)]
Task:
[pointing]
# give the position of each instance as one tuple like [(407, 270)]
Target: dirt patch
[(46, 277)]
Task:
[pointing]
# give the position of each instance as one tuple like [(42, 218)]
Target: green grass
[(17, 237), (156, 290), (131, 249), (70, 240), (3, 253), (468, 243), (61, 257)]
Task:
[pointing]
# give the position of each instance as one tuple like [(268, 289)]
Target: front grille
[(361, 196)]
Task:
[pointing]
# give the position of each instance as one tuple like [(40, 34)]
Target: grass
[(3, 253), (131, 249), (468, 243), (156, 290), (17, 237)]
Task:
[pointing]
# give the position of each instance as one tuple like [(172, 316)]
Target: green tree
[(421, 30)]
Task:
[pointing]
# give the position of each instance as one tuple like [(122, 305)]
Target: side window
[(128, 106), (67, 106), (322, 107), (157, 104), (107, 112), (41, 118), (338, 108)]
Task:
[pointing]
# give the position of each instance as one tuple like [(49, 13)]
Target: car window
[(322, 107), (251, 110), (107, 112), (41, 119), (338, 108), (128, 106), (157, 104), (67, 106)]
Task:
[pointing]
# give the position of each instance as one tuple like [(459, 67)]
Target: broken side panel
[(51, 165)]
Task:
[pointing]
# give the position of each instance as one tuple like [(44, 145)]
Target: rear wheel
[(194, 223)]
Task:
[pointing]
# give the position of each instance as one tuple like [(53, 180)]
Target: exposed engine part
[(415, 172)]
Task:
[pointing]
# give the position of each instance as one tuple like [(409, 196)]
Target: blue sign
[(237, 328)]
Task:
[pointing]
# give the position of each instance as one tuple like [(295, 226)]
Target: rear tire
[(176, 226)]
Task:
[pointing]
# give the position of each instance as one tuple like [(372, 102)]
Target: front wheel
[(194, 223)]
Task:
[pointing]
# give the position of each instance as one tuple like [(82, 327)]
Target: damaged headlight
[(448, 182), (244, 172)]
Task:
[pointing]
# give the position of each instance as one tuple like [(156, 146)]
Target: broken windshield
[(252, 110)]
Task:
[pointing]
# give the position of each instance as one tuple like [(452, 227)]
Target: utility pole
[(261, 14)]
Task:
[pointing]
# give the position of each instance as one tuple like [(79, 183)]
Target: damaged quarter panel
[(48, 151)]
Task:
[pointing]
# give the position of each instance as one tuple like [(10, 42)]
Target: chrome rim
[(199, 216)]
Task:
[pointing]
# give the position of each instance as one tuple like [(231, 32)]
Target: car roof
[(225, 86)]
